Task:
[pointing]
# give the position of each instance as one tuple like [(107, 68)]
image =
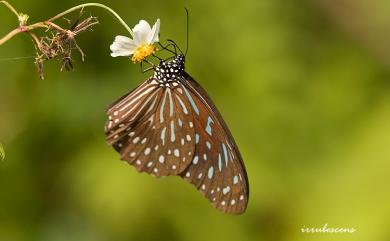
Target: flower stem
[(94, 5), (10, 7)]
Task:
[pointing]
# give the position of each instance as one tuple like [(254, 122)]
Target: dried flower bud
[(23, 18), (60, 43)]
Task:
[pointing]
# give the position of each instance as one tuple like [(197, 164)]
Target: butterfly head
[(171, 70)]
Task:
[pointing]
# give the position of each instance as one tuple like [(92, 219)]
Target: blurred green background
[(303, 85)]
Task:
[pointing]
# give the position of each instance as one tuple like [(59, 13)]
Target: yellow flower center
[(142, 52)]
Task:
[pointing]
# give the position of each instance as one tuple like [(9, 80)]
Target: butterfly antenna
[(175, 45), (188, 27)]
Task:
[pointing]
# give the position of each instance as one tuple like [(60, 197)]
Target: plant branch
[(94, 5), (22, 29), (48, 24), (10, 35)]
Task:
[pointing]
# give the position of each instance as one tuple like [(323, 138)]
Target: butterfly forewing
[(156, 136), (124, 112), (217, 169)]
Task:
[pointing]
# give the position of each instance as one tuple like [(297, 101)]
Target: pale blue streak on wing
[(196, 138), (211, 172), (219, 162), (208, 127), (225, 154), (191, 101), (162, 108), (208, 144)]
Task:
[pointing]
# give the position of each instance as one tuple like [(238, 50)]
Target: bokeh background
[(303, 85)]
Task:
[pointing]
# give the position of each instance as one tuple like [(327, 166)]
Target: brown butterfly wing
[(217, 169), (150, 127)]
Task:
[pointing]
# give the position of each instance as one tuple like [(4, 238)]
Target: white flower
[(141, 46)]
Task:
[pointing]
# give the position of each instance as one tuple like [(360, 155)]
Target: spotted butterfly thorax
[(169, 126)]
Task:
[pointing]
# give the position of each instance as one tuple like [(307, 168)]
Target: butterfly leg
[(147, 69), (175, 45), (160, 59), (166, 47)]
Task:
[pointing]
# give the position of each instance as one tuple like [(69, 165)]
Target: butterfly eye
[(168, 126)]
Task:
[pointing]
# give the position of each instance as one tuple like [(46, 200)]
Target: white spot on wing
[(161, 159), (226, 190), (147, 151), (195, 160), (235, 180)]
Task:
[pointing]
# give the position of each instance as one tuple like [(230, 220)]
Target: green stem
[(94, 5), (10, 7)]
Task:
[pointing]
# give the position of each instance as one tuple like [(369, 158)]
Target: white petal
[(124, 39), (123, 53), (141, 32), (117, 47), (153, 36), (122, 46), (124, 42)]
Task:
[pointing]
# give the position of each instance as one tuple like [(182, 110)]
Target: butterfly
[(169, 126)]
